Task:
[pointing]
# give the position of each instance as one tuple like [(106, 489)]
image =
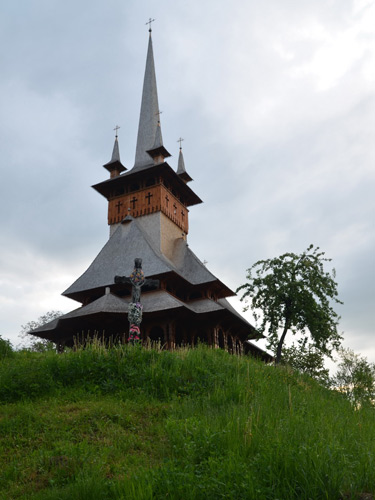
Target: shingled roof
[(153, 302), (130, 241)]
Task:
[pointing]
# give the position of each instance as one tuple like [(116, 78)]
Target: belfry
[(148, 218)]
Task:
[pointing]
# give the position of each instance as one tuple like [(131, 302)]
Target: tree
[(37, 344), (355, 378), (293, 293), (305, 358)]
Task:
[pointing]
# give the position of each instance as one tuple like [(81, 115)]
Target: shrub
[(6, 350)]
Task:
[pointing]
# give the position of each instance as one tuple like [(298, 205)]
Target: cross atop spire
[(116, 129), (180, 141), (149, 23)]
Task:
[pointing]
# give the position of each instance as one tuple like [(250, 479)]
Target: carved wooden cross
[(118, 206), (149, 196), (133, 201), (137, 280)]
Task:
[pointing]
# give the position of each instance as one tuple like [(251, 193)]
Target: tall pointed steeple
[(149, 132)]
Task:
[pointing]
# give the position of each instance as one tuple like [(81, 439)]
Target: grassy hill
[(131, 423)]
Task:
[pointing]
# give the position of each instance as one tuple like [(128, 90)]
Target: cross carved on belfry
[(149, 196), (118, 206), (134, 200)]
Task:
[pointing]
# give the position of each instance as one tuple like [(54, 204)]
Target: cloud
[(275, 101)]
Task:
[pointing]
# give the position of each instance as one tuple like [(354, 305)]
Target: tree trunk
[(281, 342)]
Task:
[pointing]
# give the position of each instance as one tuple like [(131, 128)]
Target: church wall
[(162, 231), (151, 225), (169, 234)]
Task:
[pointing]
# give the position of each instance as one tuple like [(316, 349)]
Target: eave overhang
[(106, 187), (114, 165), (216, 286), (159, 151)]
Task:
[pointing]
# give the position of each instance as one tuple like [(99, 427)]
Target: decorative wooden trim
[(156, 198)]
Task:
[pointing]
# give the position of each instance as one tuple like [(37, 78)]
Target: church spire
[(181, 171), (114, 166), (149, 132), (116, 151)]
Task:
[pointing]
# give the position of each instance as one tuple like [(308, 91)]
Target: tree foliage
[(294, 293), (34, 343), (355, 378), (305, 358), (6, 349)]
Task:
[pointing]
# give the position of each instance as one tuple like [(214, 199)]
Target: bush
[(6, 350)]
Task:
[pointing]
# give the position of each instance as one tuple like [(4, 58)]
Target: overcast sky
[(275, 101)]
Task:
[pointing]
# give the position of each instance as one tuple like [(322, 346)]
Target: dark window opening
[(202, 337), (157, 335), (230, 344), (180, 294), (221, 339), (179, 338)]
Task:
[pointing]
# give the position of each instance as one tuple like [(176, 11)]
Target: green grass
[(131, 423)]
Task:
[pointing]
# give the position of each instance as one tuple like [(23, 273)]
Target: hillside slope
[(132, 423)]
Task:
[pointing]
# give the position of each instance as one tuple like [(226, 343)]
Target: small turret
[(181, 171), (158, 152), (115, 167)]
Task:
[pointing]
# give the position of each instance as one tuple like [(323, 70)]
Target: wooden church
[(148, 216)]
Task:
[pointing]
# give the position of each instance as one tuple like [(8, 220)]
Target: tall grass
[(138, 423)]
